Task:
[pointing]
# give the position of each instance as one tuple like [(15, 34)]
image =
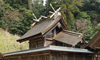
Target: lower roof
[(51, 48), (69, 37)]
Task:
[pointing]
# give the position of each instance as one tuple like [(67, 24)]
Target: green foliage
[(80, 15), (70, 20), (91, 31), (83, 15), (17, 3), (38, 8), (69, 9), (91, 5), (22, 26), (15, 21), (3, 23), (6, 38)]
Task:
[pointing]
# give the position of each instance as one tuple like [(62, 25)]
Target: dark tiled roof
[(40, 28), (69, 37)]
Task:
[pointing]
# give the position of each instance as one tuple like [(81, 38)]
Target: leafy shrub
[(6, 38), (83, 15)]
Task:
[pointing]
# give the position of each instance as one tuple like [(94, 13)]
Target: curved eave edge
[(25, 39)]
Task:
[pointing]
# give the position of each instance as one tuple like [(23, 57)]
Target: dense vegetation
[(8, 42), (80, 15)]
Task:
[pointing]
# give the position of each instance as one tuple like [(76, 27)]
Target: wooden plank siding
[(50, 55), (29, 56), (70, 56), (39, 42)]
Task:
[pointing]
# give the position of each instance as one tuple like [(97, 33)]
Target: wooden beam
[(29, 38)]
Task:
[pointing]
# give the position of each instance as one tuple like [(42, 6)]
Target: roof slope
[(41, 27), (69, 37), (48, 48), (95, 42)]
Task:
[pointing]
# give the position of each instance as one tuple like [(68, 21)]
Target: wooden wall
[(49, 42), (70, 56), (50, 55), (39, 42), (30, 56)]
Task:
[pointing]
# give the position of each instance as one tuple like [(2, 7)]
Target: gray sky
[(44, 2)]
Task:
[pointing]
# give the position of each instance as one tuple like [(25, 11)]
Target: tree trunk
[(30, 4)]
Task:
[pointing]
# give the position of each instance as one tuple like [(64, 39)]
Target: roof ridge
[(76, 33), (72, 32), (42, 21)]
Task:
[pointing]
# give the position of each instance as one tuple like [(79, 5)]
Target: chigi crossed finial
[(54, 14)]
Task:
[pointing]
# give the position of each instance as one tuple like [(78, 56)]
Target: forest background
[(16, 17)]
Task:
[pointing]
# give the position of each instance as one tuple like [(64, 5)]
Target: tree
[(21, 27), (30, 4), (69, 10), (17, 3), (38, 9)]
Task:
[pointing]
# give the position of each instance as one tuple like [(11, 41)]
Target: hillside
[(8, 42), (16, 17)]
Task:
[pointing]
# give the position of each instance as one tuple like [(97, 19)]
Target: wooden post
[(83, 57), (97, 57), (54, 32), (74, 56)]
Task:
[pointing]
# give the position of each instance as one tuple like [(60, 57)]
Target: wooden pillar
[(74, 56), (97, 57), (83, 57)]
